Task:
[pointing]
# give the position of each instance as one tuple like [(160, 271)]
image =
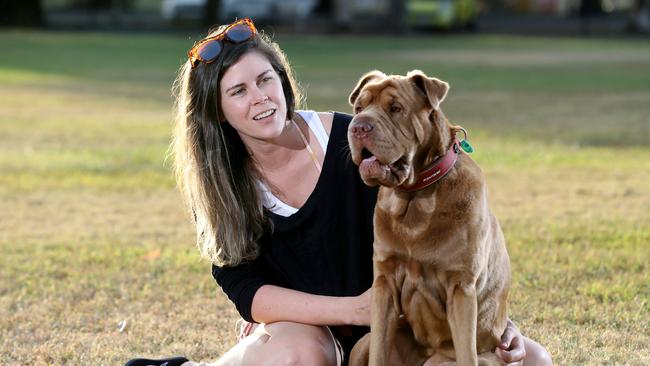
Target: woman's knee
[(305, 353), (536, 354), (297, 344)]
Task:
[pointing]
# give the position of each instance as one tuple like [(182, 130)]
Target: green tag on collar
[(466, 147)]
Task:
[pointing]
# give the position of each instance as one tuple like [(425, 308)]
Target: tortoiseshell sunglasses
[(208, 49)]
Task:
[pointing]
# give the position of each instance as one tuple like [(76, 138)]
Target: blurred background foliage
[(97, 262), (386, 16)]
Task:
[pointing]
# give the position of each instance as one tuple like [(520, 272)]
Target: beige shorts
[(246, 329)]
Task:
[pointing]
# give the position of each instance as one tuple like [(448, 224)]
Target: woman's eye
[(238, 92)]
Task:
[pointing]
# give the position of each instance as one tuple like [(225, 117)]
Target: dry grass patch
[(93, 235)]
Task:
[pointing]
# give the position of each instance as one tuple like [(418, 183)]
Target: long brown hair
[(213, 168)]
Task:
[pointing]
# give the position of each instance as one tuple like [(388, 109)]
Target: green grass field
[(97, 256)]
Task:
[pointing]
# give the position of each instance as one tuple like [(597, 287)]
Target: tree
[(324, 8), (211, 13), (342, 14), (397, 16), (24, 13)]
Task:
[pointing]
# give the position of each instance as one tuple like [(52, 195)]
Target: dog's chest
[(406, 216)]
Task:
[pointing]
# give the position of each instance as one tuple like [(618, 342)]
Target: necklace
[(311, 152)]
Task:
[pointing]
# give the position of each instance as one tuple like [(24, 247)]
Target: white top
[(271, 202)]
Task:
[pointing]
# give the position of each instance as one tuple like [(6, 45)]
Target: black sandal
[(174, 361)]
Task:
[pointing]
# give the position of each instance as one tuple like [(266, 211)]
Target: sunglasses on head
[(208, 49)]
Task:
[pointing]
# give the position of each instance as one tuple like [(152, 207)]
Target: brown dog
[(440, 261)]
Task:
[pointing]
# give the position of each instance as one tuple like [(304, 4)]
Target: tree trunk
[(23, 13), (211, 13), (398, 16), (324, 8), (342, 13)]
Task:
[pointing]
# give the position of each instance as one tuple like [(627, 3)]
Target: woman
[(279, 207)]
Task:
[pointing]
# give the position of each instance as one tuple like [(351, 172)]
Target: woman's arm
[(273, 303)]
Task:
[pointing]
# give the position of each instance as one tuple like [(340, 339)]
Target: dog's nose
[(361, 129)]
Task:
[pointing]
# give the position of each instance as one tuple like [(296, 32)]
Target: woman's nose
[(262, 99), (259, 97)]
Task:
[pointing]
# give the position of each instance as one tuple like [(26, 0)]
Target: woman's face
[(252, 98)]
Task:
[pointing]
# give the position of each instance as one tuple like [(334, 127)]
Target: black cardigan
[(325, 248)]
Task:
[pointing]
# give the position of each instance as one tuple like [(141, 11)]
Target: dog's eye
[(357, 109), (395, 108)]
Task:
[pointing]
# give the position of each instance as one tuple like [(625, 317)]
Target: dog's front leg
[(462, 318), (384, 315)]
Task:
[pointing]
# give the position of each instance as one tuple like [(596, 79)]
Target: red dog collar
[(436, 171)]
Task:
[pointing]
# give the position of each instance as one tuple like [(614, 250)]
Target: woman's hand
[(361, 308), (511, 348)]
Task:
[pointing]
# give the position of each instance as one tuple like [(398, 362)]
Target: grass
[(97, 262)]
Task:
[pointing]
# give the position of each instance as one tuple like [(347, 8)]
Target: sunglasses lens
[(239, 33), (210, 50)]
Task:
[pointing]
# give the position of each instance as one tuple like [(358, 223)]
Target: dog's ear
[(434, 89), (374, 74)]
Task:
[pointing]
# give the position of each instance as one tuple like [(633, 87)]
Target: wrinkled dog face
[(392, 120)]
